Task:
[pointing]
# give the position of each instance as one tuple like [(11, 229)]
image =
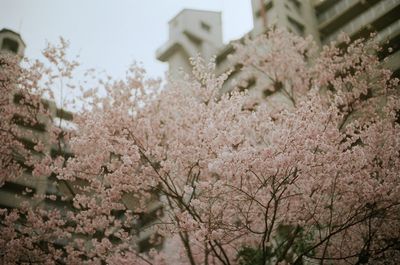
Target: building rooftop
[(194, 11), (5, 30)]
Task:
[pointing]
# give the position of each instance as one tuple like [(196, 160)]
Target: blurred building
[(323, 19), (36, 190), (11, 41), (26, 187), (191, 32), (358, 18)]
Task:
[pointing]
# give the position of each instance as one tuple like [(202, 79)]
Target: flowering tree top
[(310, 177)]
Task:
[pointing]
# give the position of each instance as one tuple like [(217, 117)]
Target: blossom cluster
[(310, 176)]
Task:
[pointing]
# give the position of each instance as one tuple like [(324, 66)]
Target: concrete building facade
[(12, 193), (11, 41), (295, 15), (191, 32), (359, 18), (322, 19), (36, 190)]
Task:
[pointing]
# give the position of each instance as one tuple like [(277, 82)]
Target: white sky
[(109, 35)]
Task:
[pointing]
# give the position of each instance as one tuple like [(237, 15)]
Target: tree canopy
[(309, 177)]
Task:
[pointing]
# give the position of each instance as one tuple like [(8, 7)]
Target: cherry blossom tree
[(310, 177)]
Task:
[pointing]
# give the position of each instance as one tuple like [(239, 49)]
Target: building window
[(297, 26), (205, 26), (10, 45)]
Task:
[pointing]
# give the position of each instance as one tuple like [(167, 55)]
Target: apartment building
[(358, 18), (191, 32), (12, 193), (322, 19), (35, 190), (11, 41)]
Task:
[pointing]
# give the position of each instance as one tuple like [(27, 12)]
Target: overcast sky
[(109, 35)]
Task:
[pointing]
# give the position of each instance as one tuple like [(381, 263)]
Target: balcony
[(165, 51), (389, 33), (374, 19), (393, 63), (341, 14), (323, 5)]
